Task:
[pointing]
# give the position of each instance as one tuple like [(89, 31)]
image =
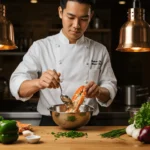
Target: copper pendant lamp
[(135, 33), (6, 31)]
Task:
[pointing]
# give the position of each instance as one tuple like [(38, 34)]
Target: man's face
[(75, 19)]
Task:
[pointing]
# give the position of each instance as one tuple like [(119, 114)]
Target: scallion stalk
[(114, 133)]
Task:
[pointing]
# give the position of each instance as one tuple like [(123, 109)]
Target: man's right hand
[(49, 79)]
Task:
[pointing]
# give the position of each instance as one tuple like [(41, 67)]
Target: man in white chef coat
[(76, 59)]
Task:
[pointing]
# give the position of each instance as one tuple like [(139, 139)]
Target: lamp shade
[(135, 33), (7, 41)]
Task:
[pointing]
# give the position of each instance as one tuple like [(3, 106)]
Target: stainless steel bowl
[(71, 120)]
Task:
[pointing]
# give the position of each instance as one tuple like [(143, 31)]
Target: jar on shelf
[(97, 23)]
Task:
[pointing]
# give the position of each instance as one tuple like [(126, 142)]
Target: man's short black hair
[(90, 2)]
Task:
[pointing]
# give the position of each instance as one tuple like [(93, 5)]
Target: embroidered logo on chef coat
[(95, 64)]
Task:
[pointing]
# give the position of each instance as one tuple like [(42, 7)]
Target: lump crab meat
[(77, 99)]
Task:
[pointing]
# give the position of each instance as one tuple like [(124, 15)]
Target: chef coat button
[(57, 45), (87, 63)]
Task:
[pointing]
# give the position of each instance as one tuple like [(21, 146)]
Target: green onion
[(114, 133)]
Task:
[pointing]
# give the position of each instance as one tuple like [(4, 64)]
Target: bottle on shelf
[(97, 23)]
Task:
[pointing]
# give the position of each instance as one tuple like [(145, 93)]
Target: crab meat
[(23, 126), (77, 99)]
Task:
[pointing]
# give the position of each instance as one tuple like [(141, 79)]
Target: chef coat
[(78, 63)]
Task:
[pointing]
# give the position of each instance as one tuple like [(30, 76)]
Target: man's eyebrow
[(85, 16)]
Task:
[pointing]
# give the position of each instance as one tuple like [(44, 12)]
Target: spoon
[(66, 99)]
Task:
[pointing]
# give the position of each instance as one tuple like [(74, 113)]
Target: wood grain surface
[(92, 142)]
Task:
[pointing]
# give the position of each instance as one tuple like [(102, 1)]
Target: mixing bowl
[(71, 120)]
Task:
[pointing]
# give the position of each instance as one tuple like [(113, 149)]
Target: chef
[(77, 60)]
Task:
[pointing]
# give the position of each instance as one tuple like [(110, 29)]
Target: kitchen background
[(34, 21)]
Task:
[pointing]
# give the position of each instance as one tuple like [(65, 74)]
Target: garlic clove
[(27, 133)]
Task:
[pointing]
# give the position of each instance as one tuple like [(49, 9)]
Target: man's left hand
[(92, 90)]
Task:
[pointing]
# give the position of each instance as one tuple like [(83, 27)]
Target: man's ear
[(60, 12)]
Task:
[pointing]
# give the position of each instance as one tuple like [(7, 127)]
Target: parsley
[(70, 134), (71, 118), (142, 117), (53, 133), (1, 118)]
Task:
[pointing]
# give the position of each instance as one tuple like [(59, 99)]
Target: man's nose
[(76, 24)]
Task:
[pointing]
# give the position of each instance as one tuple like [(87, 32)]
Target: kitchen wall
[(37, 21)]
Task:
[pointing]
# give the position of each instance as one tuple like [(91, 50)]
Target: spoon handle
[(60, 88), (59, 83)]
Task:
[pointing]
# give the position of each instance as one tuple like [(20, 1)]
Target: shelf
[(10, 53), (17, 53), (89, 30), (98, 30)]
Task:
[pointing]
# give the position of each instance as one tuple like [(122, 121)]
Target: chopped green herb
[(71, 118), (114, 133), (52, 133), (69, 134)]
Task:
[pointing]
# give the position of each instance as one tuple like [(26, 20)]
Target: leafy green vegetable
[(1, 118), (131, 121), (142, 117), (114, 133), (69, 134)]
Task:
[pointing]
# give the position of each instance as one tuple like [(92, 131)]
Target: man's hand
[(49, 79), (95, 91), (92, 90)]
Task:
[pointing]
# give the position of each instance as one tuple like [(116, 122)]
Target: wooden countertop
[(92, 142)]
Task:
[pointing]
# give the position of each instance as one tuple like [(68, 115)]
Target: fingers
[(49, 79), (92, 89), (54, 78)]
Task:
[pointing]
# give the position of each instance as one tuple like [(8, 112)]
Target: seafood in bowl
[(76, 116), (77, 99), (71, 120)]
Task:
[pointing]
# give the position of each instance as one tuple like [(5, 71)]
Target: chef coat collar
[(65, 40)]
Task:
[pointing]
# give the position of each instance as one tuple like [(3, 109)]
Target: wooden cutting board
[(92, 142)]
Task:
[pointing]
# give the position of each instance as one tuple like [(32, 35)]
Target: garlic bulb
[(130, 129), (136, 133)]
